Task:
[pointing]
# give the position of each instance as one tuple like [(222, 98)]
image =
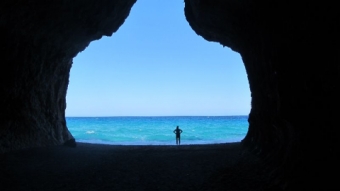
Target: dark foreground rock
[(109, 167)]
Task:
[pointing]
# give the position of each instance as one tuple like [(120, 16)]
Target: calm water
[(157, 130)]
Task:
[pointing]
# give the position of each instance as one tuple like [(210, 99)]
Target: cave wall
[(39, 39), (291, 57)]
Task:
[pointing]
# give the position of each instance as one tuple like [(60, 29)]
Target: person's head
[(177, 127)]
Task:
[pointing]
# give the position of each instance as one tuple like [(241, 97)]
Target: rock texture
[(292, 61), (38, 42), (290, 51)]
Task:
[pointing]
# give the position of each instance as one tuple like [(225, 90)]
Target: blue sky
[(156, 65)]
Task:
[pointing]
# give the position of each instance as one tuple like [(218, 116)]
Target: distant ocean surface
[(158, 130)]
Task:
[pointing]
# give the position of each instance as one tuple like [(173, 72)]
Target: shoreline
[(151, 143), (130, 167)]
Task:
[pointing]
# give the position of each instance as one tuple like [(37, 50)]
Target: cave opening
[(289, 53), (155, 73)]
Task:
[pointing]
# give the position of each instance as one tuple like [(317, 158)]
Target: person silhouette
[(178, 132)]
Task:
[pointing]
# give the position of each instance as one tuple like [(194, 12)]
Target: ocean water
[(158, 130)]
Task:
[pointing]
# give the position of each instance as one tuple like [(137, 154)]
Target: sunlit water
[(158, 130)]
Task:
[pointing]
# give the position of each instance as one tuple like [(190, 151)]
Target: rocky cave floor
[(113, 167)]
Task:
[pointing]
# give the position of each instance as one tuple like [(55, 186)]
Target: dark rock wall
[(38, 42), (292, 60)]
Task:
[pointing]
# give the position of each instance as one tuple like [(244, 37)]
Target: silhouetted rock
[(293, 71), (70, 143), (39, 40)]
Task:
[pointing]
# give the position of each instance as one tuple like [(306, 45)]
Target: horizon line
[(164, 116)]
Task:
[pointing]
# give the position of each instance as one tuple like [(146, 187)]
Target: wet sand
[(115, 167)]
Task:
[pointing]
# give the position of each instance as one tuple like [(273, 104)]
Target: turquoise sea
[(158, 130)]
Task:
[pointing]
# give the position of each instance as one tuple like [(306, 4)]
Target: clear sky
[(156, 65)]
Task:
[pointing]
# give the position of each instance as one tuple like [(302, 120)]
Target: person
[(178, 132)]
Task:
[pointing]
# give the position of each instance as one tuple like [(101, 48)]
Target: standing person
[(178, 132)]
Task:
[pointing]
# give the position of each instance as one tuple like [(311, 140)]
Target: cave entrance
[(129, 88)]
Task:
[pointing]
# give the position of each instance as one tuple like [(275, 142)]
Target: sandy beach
[(116, 167)]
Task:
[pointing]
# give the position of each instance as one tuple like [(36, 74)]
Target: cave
[(289, 50)]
